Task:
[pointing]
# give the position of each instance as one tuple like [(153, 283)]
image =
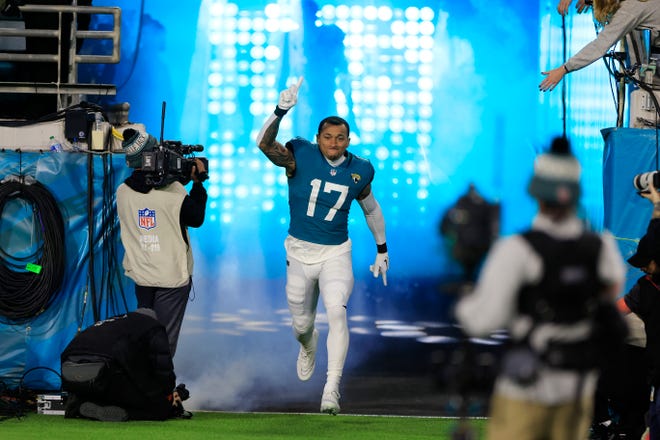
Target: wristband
[(279, 112), (382, 248), (565, 68)]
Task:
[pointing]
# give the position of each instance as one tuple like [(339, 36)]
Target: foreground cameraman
[(154, 223), (542, 286)]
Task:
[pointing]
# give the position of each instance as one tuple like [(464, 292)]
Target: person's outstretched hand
[(552, 78)]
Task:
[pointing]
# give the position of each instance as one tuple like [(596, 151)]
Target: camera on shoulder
[(172, 161)]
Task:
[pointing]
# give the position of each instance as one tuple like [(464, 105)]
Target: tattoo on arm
[(275, 151)]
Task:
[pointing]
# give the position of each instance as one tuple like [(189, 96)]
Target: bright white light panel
[(389, 59)]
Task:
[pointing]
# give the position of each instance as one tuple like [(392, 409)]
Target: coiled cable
[(28, 284)]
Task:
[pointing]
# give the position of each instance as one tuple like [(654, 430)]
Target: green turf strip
[(237, 426)]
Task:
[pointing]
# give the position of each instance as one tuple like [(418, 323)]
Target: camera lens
[(641, 182)]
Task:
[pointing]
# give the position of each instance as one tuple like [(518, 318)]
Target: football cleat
[(307, 358), (330, 402)]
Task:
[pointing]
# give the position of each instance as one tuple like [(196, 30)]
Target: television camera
[(172, 161)]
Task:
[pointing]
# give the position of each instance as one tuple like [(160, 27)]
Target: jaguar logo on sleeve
[(356, 177), (146, 218)]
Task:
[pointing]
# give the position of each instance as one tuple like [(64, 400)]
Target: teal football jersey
[(320, 195)]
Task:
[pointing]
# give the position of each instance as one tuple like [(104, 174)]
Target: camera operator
[(154, 225), (643, 299), (543, 286)]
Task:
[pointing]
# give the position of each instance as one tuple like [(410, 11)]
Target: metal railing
[(71, 89)]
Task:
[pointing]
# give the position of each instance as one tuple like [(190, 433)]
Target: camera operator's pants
[(333, 279), (169, 303), (526, 420), (654, 414)]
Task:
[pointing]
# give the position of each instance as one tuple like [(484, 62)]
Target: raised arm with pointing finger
[(266, 141), (323, 179)]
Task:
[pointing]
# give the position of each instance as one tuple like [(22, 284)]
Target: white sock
[(337, 343)]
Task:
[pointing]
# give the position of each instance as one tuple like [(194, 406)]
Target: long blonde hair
[(605, 9)]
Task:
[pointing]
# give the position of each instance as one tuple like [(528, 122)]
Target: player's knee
[(302, 326), (336, 314), (337, 293)]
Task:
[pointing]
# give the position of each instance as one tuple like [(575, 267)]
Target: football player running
[(323, 180)]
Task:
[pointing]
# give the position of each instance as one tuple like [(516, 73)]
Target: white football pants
[(334, 280)]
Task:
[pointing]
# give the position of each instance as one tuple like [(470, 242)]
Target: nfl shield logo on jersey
[(146, 218)]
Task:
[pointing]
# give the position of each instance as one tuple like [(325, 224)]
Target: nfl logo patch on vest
[(146, 218)]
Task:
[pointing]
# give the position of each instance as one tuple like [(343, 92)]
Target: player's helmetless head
[(333, 137)]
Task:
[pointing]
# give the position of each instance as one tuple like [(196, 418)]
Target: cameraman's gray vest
[(156, 253)]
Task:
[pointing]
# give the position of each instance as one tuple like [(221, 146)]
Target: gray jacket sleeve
[(631, 15)]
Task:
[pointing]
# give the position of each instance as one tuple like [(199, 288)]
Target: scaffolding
[(69, 91)]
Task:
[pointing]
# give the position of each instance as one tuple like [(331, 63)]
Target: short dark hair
[(334, 120)]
